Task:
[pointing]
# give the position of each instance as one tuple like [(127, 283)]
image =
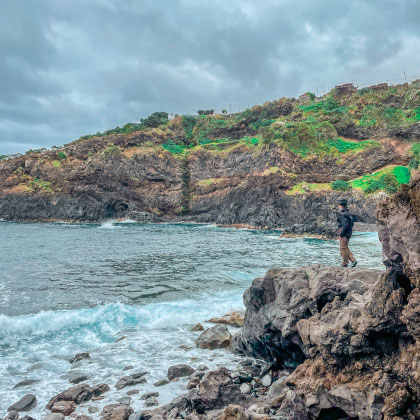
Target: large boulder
[(216, 337), (77, 394), (26, 403), (276, 303)]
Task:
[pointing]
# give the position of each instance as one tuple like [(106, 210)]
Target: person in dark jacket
[(345, 230)]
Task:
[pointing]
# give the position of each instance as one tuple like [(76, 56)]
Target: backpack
[(352, 219)]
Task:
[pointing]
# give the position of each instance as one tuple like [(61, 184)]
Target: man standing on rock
[(345, 229)]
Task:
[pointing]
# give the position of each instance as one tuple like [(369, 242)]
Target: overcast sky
[(69, 68)]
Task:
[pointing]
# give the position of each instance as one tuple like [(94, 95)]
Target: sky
[(69, 68)]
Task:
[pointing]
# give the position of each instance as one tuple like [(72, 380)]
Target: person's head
[(342, 204)]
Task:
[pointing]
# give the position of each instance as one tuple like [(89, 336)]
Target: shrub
[(61, 156), (154, 120), (111, 150), (390, 183), (340, 185)]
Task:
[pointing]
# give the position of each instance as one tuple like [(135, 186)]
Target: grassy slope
[(306, 128)]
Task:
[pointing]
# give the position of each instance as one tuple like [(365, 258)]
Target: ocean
[(128, 294)]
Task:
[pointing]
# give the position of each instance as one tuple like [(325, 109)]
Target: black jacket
[(344, 221)]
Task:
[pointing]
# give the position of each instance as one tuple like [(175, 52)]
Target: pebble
[(245, 388)]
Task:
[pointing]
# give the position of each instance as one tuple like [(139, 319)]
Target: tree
[(205, 112), (224, 111)]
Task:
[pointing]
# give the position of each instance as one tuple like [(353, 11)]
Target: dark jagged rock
[(179, 371), (79, 356), (77, 394), (133, 379)]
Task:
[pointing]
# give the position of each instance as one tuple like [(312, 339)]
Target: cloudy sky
[(69, 68)]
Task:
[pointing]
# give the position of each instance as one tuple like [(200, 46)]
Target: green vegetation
[(388, 180), (152, 121), (340, 185), (56, 164), (61, 156), (41, 186), (111, 150), (209, 144), (415, 160), (205, 112)]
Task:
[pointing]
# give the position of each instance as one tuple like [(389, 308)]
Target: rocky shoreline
[(318, 342)]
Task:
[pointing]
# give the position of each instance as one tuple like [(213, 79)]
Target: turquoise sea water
[(68, 288)]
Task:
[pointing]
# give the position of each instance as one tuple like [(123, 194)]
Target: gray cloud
[(72, 68)]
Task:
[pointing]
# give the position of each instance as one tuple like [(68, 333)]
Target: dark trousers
[(345, 252)]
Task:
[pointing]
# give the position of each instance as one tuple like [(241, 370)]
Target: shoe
[(354, 263), (344, 265)]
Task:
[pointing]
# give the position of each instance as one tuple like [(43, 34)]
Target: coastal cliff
[(339, 343), (283, 165)]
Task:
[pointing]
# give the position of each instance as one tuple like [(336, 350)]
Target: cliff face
[(353, 335), (246, 185)]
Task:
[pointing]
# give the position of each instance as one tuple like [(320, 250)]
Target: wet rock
[(133, 392), (79, 356), (26, 403), (77, 394), (26, 382), (12, 415), (116, 412), (136, 416), (179, 371), (161, 382), (98, 398), (64, 407), (134, 379), (149, 395), (202, 368), (216, 337), (245, 388), (93, 410), (76, 379), (125, 400), (150, 402), (100, 389), (197, 327), (236, 319), (27, 417), (128, 368), (54, 416), (83, 417)]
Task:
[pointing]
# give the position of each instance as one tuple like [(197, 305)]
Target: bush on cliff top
[(340, 185)]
